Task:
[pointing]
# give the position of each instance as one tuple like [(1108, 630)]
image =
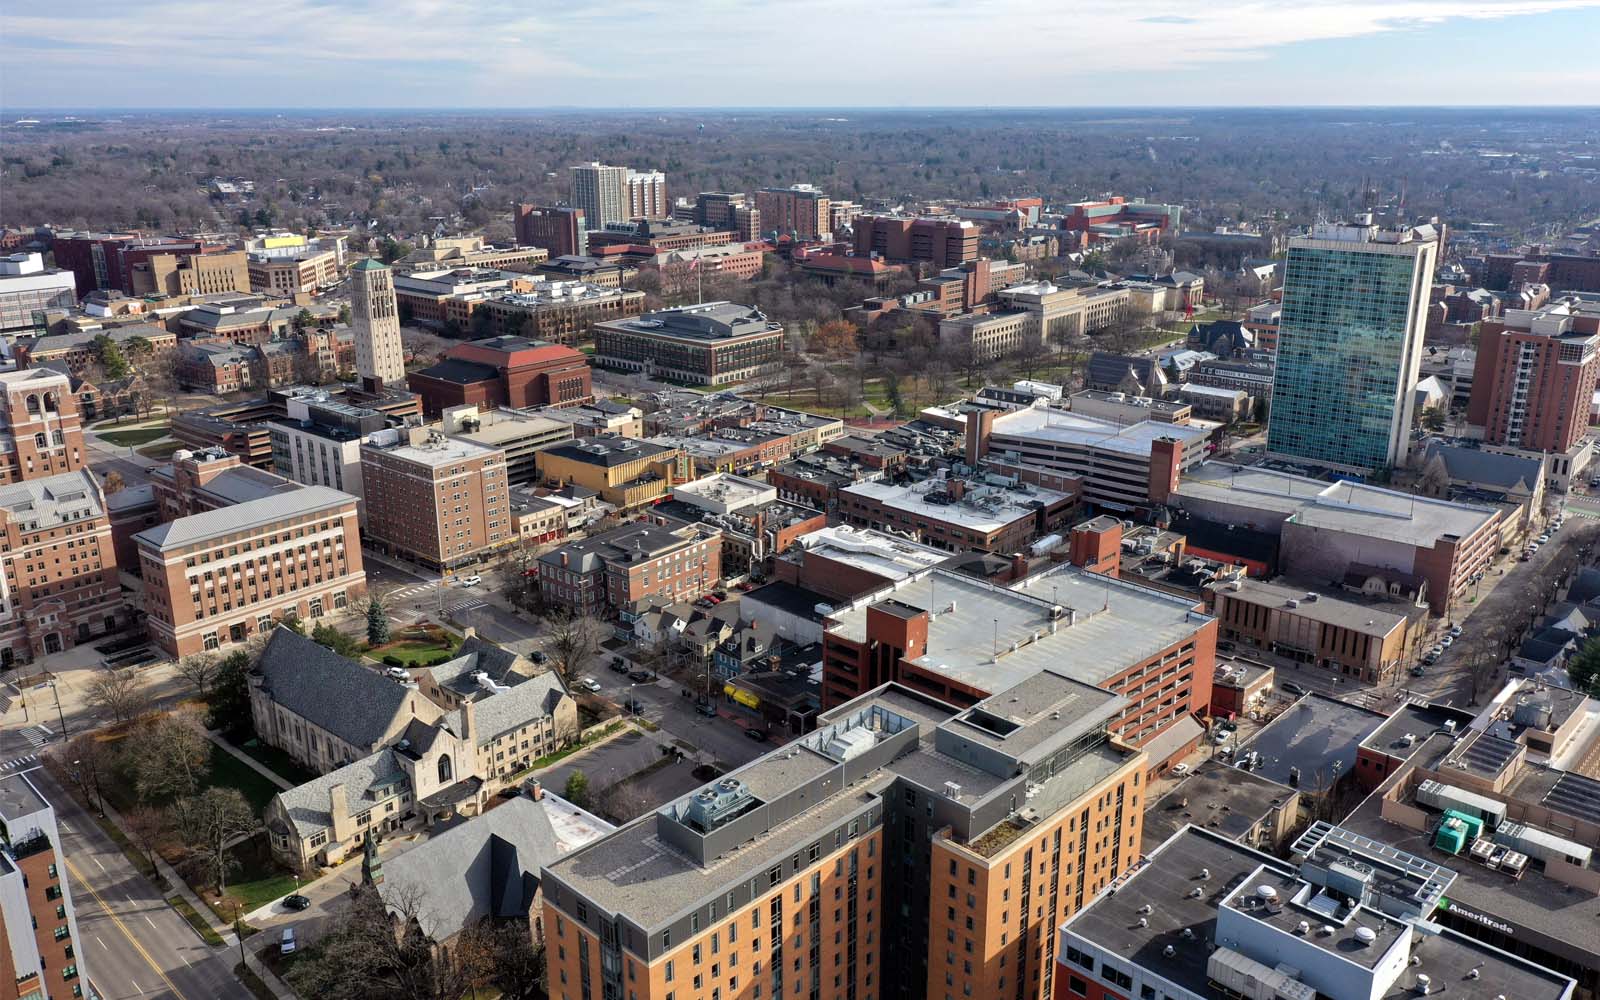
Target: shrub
[(393, 660)]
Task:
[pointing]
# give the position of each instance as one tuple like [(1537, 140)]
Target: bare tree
[(623, 802), (146, 827), (113, 483), (170, 757), (574, 640), (379, 949), (118, 694), (211, 821), (199, 670)]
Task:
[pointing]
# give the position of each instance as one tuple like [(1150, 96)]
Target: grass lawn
[(253, 983), (188, 913), (163, 450), (257, 881), (130, 438), (227, 771), (418, 646), (276, 761)]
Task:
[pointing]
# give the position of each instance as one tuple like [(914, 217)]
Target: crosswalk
[(409, 616), (23, 763), (469, 605), (37, 736), (415, 590)]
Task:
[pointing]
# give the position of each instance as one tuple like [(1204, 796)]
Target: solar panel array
[(1575, 795), (1486, 755)]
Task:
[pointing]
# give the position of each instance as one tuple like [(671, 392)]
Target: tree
[(89, 760), (211, 821), (146, 827), (518, 962), (377, 623), (303, 319), (170, 758), (199, 670), (344, 314), (577, 789), (109, 354), (332, 638), (1584, 669), (573, 640), (113, 483), (836, 337), (117, 694), (1433, 419), (292, 622), (230, 693)]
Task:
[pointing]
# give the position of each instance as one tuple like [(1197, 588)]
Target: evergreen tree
[(377, 624)]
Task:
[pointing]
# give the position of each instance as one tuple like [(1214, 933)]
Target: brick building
[(713, 343), (560, 229), (1534, 380), (172, 274), (441, 501), (558, 312), (941, 242), (721, 210), (625, 472), (42, 431), (632, 563), (800, 210), (956, 514), (658, 236), (1117, 218), (40, 945), (503, 371), (240, 549)]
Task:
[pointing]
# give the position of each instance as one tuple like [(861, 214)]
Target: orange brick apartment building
[(906, 849), (244, 548), (441, 501)]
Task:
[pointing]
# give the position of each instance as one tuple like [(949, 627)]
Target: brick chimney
[(980, 425), (957, 488), (1166, 458), (1019, 566), (339, 813)]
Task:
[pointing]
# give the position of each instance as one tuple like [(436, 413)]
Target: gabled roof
[(339, 695), (307, 805)]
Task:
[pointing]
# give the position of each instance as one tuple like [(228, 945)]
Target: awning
[(741, 696)]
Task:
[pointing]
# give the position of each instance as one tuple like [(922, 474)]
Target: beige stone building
[(399, 748), (375, 317), (192, 274)]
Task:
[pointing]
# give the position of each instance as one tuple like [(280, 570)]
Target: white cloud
[(653, 52)]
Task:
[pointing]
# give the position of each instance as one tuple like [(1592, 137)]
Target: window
[(1077, 987)]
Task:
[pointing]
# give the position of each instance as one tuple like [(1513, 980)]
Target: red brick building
[(503, 371), (559, 229), (631, 563), (942, 242), (1535, 377), (42, 433)]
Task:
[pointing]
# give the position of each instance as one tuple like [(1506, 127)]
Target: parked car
[(1455, 631), (286, 942), (590, 684), (1544, 538), (1179, 770), (296, 902), (709, 711), (1417, 671), (1428, 659), (1229, 727), (469, 581), (759, 735), (1447, 641), (618, 664), (1226, 646), (639, 675), (1290, 687), (539, 656), (1437, 651), (1220, 738)]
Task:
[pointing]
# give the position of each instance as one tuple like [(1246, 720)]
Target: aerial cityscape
[(488, 515)]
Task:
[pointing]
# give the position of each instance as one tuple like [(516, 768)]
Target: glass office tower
[(1349, 345)]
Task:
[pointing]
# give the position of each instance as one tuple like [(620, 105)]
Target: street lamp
[(236, 932), (59, 714)]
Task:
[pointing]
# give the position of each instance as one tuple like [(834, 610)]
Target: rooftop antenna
[(996, 639)]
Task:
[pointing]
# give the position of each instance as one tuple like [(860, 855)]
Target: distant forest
[(1528, 173)]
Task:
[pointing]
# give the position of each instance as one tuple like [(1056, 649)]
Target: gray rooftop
[(1364, 616), (352, 702), (1317, 736), (53, 500), (307, 804), (246, 516), (19, 798), (1225, 800)]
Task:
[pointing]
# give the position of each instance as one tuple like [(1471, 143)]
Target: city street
[(134, 944)]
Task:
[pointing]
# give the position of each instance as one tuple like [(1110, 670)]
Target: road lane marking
[(73, 871), (102, 867), (101, 943), (152, 923)]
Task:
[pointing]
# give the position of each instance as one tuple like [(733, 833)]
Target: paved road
[(134, 944)]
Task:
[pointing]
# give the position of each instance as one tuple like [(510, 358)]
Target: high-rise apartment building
[(441, 501), (560, 229), (647, 195), (241, 549), (907, 848), (601, 193), (1355, 299), (41, 952), (799, 210), (375, 316), (1535, 376), (41, 431)]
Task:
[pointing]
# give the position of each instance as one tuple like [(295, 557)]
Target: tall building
[(1355, 299), (183, 273), (27, 288), (1535, 376), (42, 431), (647, 195), (799, 210), (60, 566), (737, 212), (441, 501), (375, 316), (943, 242), (560, 229), (241, 549), (40, 948), (601, 193), (906, 849)]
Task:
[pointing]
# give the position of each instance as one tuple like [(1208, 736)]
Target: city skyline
[(497, 55)]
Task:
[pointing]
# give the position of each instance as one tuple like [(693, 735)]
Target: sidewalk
[(248, 760)]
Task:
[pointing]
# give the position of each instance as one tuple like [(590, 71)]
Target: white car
[(1447, 641), (590, 684), (1455, 631), (469, 581), (1179, 770), (1543, 539)]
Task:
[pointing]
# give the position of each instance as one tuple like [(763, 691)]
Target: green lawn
[(258, 881), (276, 761), (227, 771), (160, 451), (202, 928), (133, 437)]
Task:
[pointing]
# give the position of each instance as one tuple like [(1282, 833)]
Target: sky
[(79, 54)]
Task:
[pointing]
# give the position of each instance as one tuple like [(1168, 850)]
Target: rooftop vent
[(1366, 935)]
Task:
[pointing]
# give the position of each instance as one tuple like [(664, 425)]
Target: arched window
[(50, 401), (33, 403), (445, 775)]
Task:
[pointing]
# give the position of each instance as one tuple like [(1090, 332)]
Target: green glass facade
[(1347, 352)]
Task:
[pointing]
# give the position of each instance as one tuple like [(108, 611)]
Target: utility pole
[(59, 714)]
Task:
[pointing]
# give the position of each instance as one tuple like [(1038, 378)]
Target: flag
[(1188, 307), (694, 265)]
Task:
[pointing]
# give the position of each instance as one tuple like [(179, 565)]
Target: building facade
[(560, 229), (510, 371), (40, 945), (1350, 345), (800, 210), (601, 193), (375, 317), (440, 501), (714, 343), (941, 242), (42, 433), (634, 562), (27, 289), (1534, 379)]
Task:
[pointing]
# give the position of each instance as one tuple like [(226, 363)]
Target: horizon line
[(6, 108)]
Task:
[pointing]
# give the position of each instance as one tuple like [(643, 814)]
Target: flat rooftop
[(1417, 722), (247, 516), (1225, 800), (983, 508), (436, 451), (1065, 427), (888, 556), (1349, 507), (1313, 735), (1367, 617), (18, 797), (1104, 625)]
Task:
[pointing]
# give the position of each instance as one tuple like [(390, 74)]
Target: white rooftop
[(983, 508), (1066, 427), (874, 551)]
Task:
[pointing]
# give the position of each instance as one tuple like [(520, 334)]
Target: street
[(135, 945)]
